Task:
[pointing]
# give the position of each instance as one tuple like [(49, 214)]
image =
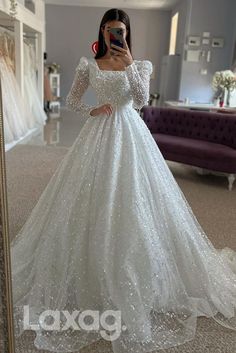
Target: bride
[(112, 235)]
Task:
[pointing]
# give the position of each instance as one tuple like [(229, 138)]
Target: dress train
[(113, 231)]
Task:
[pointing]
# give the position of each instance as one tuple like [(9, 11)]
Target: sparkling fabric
[(130, 86), (113, 231)]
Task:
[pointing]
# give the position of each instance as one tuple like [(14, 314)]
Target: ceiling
[(130, 4)]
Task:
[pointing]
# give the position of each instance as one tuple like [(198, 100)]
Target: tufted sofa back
[(208, 126)]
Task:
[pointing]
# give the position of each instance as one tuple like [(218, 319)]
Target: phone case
[(116, 36)]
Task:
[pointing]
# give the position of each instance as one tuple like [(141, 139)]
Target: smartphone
[(116, 37)]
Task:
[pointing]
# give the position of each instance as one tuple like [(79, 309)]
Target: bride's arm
[(139, 79), (78, 88)]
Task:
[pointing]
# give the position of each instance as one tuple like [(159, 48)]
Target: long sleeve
[(78, 88), (138, 74)]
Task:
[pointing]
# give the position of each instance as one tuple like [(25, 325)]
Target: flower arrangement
[(54, 68), (224, 80)]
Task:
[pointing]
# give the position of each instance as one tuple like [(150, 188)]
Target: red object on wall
[(95, 47)]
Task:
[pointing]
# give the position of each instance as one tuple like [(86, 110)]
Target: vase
[(228, 95), (222, 98)]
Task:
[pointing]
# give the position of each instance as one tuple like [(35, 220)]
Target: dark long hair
[(112, 15)]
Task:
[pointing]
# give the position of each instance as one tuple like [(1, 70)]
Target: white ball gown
[(30, 86), (19, 120), (113, 231)]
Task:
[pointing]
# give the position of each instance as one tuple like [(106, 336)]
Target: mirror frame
[(7, 337)]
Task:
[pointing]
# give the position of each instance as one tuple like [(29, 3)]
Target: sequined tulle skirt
[(113, 231)]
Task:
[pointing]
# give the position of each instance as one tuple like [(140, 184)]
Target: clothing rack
[(30, 36), (9, 29), (26, 25)]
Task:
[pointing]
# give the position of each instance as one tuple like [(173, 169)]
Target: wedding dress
[(30, 85), (113, 231), (17, 118)]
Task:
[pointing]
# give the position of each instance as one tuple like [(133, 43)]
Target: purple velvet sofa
[(205, 140)]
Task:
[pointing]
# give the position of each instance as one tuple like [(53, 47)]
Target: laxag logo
[(50, 320)]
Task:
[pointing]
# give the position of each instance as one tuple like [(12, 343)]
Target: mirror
[(7, 342), (67, 177)]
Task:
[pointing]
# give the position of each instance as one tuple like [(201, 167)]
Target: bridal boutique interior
[(41, 43)]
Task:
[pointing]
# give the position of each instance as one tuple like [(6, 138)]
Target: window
[(173, 33)]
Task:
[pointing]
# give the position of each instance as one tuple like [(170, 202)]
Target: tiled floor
[(58, 131)]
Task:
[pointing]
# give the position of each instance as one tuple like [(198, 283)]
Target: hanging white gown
[(30, 87), (113, 231), (17, 118)]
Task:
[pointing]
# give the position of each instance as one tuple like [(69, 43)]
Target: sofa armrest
[(150, 116)]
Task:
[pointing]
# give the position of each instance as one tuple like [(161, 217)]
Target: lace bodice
[(130, 86)]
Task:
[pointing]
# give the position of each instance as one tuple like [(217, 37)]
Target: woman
[(113, 231)]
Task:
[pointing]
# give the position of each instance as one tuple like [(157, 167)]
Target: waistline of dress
[(119, 105)]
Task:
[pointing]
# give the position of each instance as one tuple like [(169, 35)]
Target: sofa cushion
[(197, 149)]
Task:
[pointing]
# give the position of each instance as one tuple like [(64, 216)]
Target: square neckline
[(106, 70)]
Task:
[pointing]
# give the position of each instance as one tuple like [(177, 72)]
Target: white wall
[(234, 43), (218, 18), (70, 31)]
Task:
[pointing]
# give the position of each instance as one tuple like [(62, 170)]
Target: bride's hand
[(103, 109), (123, 54)]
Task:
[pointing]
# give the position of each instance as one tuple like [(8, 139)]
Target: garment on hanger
[(18, 119), (30, 86), (48, 96), (16, 116)]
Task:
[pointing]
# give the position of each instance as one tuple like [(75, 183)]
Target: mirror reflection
[(119, 128)]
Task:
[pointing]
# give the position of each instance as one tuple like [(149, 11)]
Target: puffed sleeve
[(138, 74), (78, 88)]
